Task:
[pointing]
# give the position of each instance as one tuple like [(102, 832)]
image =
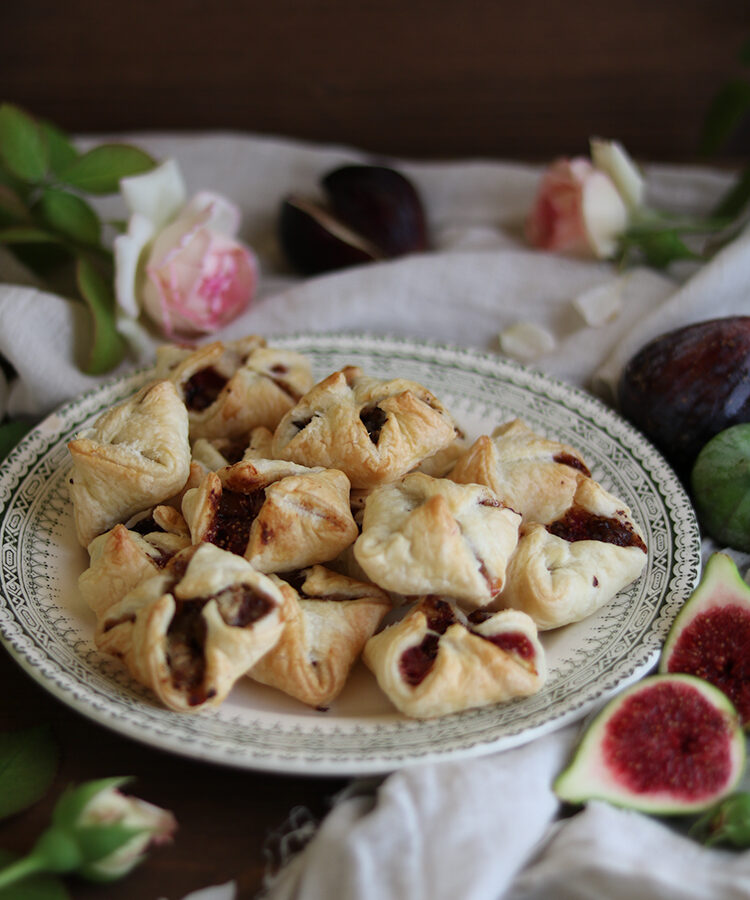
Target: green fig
[(720, 482)]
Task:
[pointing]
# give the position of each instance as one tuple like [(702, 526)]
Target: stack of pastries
[(243, 521)]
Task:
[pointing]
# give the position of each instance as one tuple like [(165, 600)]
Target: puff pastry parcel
[(329, 617), (230, 388), (426, 535), (532, 474), (122, 558), (192, 631), (566, 570), (278, 515), (373, 430), (434, 662), (135, 456)]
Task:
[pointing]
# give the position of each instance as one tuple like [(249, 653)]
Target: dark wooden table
[(227, 817)]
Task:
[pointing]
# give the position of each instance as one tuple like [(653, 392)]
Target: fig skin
[(367, 213), (381, 205), (720, 482), (687, 385)]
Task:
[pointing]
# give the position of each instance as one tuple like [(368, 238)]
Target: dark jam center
[(567, 459), (579, 524), (203, 388), (186, 639), (438, 613), (146, 525), (240, 605), (715, 646), (669, 738), (234, 518), (373, 418), (417, 661)]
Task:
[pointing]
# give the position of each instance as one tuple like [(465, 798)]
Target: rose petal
[(223, 216), (526, 341), (600, 304), (128, 248), (604, 214), (612, 159), (158, 195)]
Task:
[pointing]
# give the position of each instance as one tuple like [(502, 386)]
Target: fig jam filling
[(145, 526), (715, 646), (567, 459), (417, 661), (373, 418), (669, 738), (235, 515), (186, 639), (203, 388), (514, 642), (240, 605), (579, 524)]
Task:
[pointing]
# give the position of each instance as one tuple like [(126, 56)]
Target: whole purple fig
[(687, 385), (367, 213)]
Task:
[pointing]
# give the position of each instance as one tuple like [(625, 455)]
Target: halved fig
[(670, 744), (710, 637)]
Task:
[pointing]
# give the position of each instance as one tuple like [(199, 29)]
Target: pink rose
[(179, 263), (577, 209), (197, 279)]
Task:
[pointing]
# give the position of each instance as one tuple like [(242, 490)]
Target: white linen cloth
[(481, 829)]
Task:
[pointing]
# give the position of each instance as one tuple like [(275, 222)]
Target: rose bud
[(96, 833), (180, 264), (577, 209)]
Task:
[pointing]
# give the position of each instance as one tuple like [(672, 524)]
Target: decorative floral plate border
[(46, 630)]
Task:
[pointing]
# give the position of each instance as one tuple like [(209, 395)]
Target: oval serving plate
[(47, 628)]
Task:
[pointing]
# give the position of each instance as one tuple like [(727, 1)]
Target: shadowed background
[(427, 78)]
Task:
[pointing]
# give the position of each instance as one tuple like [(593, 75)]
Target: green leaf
[(99, 171), (71, 216), (36, 887), (62, 153), (11, 433), (22, 144), (28, 763), (12, 208), (724, 114), (27, 234), (660, 248), (744, 54), (108, 346)]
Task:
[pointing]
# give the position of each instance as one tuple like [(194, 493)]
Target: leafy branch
[(47, 222)]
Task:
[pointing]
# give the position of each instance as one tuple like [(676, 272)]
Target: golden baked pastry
[(278, 515), (426, 535), (329, 617), (566, 570), (434, 662), (230, 388), (532, 474), (190, 632), (123, 557), (373, 430), (135, 456)]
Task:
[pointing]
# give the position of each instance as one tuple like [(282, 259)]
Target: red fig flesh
[(670, 744), (710, 637)]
